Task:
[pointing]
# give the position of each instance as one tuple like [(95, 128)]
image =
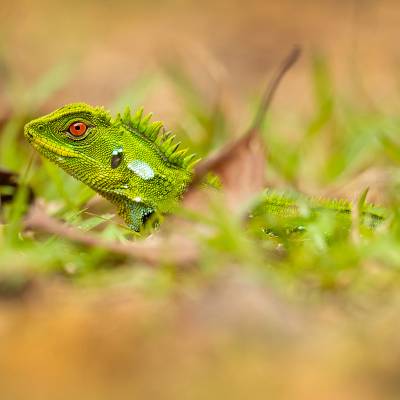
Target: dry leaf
[(241, 164)]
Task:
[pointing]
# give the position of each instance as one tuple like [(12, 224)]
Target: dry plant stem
[(179, 251), (214, 162)]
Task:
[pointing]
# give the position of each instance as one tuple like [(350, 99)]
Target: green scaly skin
[(128, 160), (136, 165), (287, 212)]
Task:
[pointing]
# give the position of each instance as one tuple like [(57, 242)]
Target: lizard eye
[(77, 129)]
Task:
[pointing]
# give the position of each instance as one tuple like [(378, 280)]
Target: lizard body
[(128, 160), (288, 212), (136, 165)]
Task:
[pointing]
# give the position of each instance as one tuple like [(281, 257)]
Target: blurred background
[(321, 323), (108, 45)]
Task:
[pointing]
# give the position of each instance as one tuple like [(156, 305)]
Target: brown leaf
[(241, 164)]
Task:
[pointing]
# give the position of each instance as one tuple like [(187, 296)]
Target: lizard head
[(77, 137)]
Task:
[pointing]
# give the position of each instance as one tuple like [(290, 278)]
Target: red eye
[(77, 128)]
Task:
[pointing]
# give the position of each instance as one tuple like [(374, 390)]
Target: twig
[(266, 100), (219, 158), (179, 251)]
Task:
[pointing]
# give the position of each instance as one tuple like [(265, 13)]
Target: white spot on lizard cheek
[(137, 199), (141, 169)]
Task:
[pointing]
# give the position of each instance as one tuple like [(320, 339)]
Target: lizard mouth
[(41, 143), (54, 148), (29, 135)]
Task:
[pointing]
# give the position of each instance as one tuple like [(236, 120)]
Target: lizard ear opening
[(77, 129)]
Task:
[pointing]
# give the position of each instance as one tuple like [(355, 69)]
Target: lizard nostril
[(28, 135), (27, 131)]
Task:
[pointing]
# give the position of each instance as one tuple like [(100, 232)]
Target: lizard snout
[(28, 133), (31, 129)]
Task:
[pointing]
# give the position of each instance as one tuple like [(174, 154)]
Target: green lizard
[(136, 165), (129, 160)]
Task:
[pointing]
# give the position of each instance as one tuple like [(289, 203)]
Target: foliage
[(321, 277)]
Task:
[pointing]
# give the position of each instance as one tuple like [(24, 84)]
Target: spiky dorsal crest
[(156, 133)]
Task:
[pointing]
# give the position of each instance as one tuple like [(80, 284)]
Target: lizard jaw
[(40, 143)]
